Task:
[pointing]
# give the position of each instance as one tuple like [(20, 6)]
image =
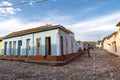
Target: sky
[(90, 20)]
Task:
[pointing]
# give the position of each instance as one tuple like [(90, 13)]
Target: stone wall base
[(52, 60)]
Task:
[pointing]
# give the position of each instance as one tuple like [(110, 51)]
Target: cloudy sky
[(90, 20)]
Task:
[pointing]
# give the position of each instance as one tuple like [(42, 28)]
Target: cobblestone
[(101, 66)]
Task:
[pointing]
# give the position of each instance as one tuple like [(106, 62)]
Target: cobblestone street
[(101, 66)]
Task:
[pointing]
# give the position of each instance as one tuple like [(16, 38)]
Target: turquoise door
[(5, 48), (19, 47)]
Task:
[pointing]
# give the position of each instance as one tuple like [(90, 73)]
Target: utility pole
[(99, 36)]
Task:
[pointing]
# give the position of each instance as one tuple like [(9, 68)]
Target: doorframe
[(27, 47), (5, 48), (47, 46), (38, 52), (61, 45), (14, 47), (19, 47)]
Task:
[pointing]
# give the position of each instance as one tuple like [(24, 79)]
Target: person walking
[(87, 49)]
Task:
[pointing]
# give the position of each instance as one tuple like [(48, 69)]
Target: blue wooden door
[(5, 48), (19, 47), (61, 41)]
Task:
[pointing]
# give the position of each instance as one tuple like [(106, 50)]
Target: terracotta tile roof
[(38, 29), (104, 39), (115, 33), (109, 36), (118, 24)]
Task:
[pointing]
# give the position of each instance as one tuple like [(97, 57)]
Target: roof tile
[(118, 24), (38, 29)]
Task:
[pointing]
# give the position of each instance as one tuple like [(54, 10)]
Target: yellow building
[(111, 43), (118, 39), (0, 46)]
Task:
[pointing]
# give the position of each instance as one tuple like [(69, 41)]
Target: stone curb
[(51, 63)]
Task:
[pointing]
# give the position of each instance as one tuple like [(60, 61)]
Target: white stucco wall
[(42, 35), (23, 47), (118, 43), (109, 44), (33, 37), (70, 44)]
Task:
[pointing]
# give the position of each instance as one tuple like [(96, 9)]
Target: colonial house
[(80, 45), (99, 44), (111, 43), (0, 46), (49, 43), (104, 43), (118, 39)]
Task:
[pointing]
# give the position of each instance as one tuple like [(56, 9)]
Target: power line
[(23, 3), (44, 10)]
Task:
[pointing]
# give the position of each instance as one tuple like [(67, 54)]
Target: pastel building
[(0, 46), (53, 43), (111, 43)]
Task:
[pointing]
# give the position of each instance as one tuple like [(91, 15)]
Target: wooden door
[(48, 46), (38, 46)]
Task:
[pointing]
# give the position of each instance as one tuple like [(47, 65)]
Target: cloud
[(15, 24), (5, 3), (31, 3), (95, 26), (7, 9), (88, 30)]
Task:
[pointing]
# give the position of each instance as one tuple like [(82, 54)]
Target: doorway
[(10, 47), (14, 48), (48, 45), (38, 46), (27, 47), (5, 48), (19, 47), (61, 41)]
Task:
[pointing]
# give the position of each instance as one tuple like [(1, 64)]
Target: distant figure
[(93, 47), (81, 46), (87, 49), (84, 47)]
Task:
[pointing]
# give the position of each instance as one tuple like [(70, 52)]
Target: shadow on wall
[(114, 50)]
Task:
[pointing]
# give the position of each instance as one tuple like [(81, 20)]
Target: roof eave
[(65, 30), (118, 24), (29, 33)]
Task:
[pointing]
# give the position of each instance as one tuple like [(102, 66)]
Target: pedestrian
[(87, 49), (84, 48)]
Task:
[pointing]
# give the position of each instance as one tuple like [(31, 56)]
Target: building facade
[(111, 43), (0, 46), (42, 43)]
